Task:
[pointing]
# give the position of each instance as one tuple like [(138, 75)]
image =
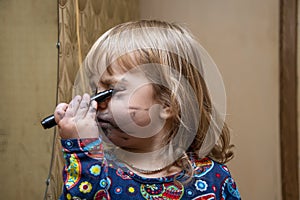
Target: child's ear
[(166, 112)]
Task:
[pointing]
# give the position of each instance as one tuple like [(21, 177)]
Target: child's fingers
[(73, 106), (87, 126), (83, 106), (92, 110), (60, 111)]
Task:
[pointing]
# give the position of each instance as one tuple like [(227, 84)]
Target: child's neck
[(153, 164), (158, 173)]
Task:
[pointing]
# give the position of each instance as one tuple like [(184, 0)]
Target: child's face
[(131, 118)]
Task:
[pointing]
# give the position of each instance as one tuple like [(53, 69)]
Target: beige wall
[(96, 17), (242, 37), (27, 84)]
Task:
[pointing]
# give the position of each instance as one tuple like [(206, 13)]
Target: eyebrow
[(108, 81)]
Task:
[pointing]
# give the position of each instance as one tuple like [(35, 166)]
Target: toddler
[(162, 133)]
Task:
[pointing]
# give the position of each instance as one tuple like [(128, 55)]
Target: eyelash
[(116, 87), (120, 88)]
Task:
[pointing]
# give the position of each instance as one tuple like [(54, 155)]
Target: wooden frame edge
[(288, 100)]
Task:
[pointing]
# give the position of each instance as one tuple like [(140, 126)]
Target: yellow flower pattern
[(85, 187)]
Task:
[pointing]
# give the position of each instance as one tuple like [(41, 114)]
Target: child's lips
[(107, 123), (111, 130)]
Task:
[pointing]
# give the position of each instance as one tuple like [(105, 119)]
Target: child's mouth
[(107, 123), (112, 131), (104, 123)]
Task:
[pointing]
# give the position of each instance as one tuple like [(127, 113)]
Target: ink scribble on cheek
[(140, 117)]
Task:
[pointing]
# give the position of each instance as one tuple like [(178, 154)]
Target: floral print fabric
[(96, 177)]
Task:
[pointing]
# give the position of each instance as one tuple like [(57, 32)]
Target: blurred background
[(241, 36)]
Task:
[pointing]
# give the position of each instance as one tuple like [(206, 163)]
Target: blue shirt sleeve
[(230, 190), (84, 167)]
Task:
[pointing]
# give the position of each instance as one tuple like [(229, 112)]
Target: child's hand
[(77, 119)]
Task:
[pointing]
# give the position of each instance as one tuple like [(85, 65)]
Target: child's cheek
[(118, 106), (135, 121), (126, 112)]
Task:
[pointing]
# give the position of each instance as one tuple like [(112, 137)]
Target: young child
[(162, 133)]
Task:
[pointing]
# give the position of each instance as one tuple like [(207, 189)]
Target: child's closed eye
[(119, 88), (119, 91)]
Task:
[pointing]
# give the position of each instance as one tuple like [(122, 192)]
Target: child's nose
[(104, 104)]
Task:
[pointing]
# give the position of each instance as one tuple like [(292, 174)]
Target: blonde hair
[(167, 44)]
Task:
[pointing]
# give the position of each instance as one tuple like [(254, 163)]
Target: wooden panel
[(94, 18), (288, 99)]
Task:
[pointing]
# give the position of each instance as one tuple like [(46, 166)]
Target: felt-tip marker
[(49, 121)]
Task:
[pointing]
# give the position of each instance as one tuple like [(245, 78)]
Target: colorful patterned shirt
[(94, 176)]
